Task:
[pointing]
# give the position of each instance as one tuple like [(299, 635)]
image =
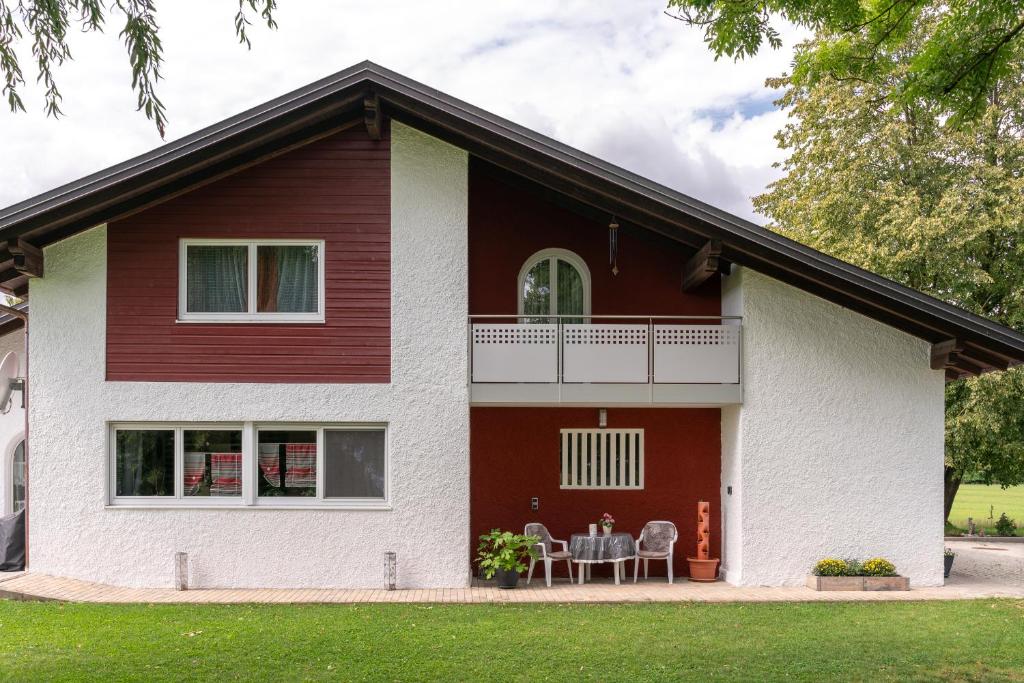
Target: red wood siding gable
[(336, 189), (508, 224)]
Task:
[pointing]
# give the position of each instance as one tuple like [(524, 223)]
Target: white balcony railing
[(604, 350)]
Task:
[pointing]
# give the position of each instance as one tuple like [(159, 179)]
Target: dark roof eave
[(97, 197)]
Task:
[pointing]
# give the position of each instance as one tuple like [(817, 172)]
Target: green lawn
[(944, 641), (974, 500)]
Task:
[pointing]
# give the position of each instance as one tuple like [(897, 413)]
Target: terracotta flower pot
[(703, 570)]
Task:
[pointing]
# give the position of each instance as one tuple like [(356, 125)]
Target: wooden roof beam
[(702, 265), (944, 353), (372, 116), (984, 358), (28, 259), (961, 360)]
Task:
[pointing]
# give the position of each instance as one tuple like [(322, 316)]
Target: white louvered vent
[(602, 459)]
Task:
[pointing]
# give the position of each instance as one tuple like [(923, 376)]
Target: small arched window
[(18, 478), (554, 282)]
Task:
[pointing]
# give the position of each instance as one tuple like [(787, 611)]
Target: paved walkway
[(992, 562), (41, 587)]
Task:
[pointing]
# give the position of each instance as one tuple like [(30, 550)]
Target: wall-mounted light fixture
[(602, 418), (613, 245)]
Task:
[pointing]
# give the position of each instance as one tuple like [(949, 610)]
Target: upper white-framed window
[(553, 282), (601, 459), (248, 464), (251, 280)]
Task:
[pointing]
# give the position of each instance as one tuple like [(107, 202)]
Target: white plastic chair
[(658, 540), (547, 555)]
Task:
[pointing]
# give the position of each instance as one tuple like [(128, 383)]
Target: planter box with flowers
[(876, 574)]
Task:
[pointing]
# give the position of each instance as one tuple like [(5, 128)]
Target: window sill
[(352, 507), (251, 321)]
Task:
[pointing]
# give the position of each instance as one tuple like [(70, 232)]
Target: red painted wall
[(336, 189), (514, 457), (508, 224)]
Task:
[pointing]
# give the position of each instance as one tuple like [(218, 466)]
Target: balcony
[(604, 360)]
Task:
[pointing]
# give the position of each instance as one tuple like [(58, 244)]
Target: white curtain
[(217, 277), (297, 279)]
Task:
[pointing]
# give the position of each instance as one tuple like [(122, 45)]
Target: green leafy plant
[(948, 552), (854, 567), (966, 48), (504, 550), (879, 566), (831, 566), (1005, 526)]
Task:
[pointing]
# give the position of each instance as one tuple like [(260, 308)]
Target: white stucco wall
[(73, 532), (12, 423), (837, 449)]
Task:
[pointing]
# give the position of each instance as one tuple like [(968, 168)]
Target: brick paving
[(31, 586), (988, 562)]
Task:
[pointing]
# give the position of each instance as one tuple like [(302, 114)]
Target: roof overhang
[(965, 343)]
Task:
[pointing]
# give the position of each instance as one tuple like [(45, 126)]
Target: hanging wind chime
[(613, 245)]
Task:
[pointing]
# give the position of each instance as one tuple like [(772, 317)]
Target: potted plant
[(947, 558), (503, 555), (607, 523)]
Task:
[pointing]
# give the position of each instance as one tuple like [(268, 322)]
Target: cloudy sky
[(617, 79)]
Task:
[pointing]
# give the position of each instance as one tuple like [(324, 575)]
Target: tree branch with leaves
[(973, 44), (46, 23), (892, 186)]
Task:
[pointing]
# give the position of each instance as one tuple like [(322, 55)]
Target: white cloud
[(618, 80)]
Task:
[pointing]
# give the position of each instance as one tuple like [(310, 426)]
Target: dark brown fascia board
[(743, 242), (338, 96), (692, 234), (526, 152)]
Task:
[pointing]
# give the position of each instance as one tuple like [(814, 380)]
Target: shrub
[(830, 566), (1005, 526), (506, 551), (879, 566), (854, 568), (948, 552)]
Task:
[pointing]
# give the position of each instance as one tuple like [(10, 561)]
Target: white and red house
[(366, 317)]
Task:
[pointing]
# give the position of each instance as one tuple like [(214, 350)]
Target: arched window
[(554, 282), (18, 477)]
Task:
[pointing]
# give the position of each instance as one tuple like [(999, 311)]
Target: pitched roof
[(964, 342)]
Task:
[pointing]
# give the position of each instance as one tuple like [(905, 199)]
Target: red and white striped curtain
[(300, 464), (300, 459), (226, 474), (195, 468)]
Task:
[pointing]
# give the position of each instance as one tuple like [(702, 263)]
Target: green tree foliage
[(972, 45), (45, 24), (895, 187)]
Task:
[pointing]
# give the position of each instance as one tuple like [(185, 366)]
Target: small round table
[(615, 548)]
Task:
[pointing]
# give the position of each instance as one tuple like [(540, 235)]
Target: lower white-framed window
[(601, 459), (276, 465)]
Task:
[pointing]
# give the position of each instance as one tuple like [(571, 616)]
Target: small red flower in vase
[(607, 522)]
